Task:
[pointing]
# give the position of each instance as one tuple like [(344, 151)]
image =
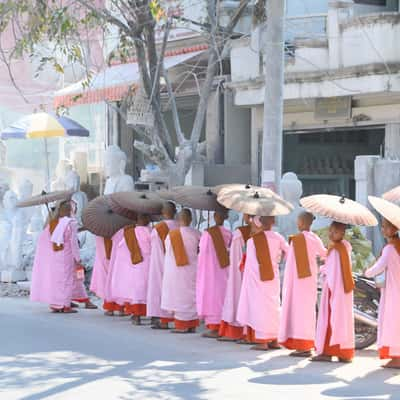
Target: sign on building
[(139, 110), (333, 108)]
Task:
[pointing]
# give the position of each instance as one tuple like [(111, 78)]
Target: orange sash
[(133, 245), (246, 232), (219, 245), (52, 226), (263, 257), (178, 248), (162, 230), (301, 255), (108, 247), (396, 244), (345, 265)]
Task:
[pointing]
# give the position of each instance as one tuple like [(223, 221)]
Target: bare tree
[(65, 24)]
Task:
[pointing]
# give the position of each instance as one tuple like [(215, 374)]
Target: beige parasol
[(167, 195), (388, 210), (393, 195), (138, 202), (46, 198), (253, 200), (339, 209), (99, 218), (197, 197)]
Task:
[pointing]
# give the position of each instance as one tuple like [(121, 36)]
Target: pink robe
[(340, 304), (179, 283), (53, 274), (259, 302), (128, 282), (156, 271), (299, 298), (389, 321), (100, 269), (231, 301), (211, 279), (118, 236)]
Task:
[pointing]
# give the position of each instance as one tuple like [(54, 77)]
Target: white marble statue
[(62, 169), (16, 222), (114, 169), (291, 191), (79, 198)]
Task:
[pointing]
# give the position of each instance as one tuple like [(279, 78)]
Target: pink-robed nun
[(335, 326), (101, 267), (212, 273), (259, 303), (299, 292), (180, 268), (160, 317), (57, 254), (230, 329), (389, 322), (130, 261)]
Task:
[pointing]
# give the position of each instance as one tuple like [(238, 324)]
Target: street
[(90, 356)]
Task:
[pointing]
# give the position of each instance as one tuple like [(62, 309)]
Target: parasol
[(124, 212), (138, 202), (393, 195), (43, 126), (252, 200), (167, 195), (339, 209), (388, 210), (101, 220), (46, 198), (197, 197)]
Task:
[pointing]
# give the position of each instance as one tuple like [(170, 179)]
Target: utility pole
[(274, 53)]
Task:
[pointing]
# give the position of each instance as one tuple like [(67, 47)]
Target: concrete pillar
[(256, 143), (338, 12), (365, 184), (214, 136), (392, 141), (237, 132)]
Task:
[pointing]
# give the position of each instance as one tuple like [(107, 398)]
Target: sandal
[(189, 330), (300, 353), (136, 320), (210, 335), (321, 358), (159, 325), (74, 305), (260, 347), (345, 360), (90, 306), (226, 339), (244, 341), (274, 345), (68, 310)]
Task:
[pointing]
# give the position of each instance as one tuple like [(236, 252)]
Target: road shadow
[(371, 386)]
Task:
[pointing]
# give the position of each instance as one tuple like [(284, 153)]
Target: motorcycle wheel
[(365, 335)]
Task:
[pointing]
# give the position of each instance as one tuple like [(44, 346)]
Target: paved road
[(89, 356)]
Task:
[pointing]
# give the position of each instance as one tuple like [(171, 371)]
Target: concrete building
[(342, 95)]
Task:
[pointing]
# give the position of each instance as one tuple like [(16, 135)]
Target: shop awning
[(113, 83)]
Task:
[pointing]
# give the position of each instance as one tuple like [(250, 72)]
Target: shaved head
[(185, 217), (168, 210), (304, 221)]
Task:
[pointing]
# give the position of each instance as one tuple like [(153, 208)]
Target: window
[(371, 2)]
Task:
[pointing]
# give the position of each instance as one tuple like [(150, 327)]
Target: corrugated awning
[(112, 84)]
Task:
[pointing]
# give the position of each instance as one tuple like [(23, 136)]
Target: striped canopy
[(43, 125)]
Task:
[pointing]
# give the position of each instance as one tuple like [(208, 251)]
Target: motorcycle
[(366, 304)]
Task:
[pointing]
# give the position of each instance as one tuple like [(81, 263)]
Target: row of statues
[(20, 227)]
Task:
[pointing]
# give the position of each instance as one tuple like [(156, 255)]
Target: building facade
[(341, 94)]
